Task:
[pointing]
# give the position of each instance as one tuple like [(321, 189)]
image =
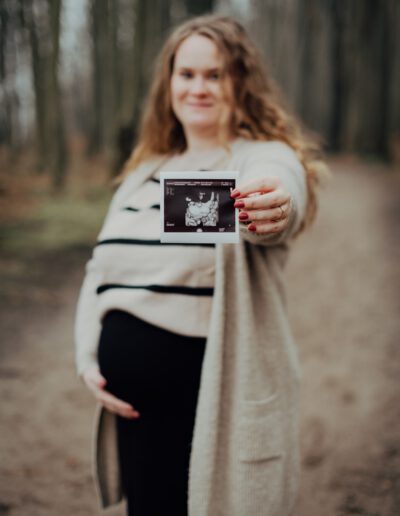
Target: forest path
[(344, 301)]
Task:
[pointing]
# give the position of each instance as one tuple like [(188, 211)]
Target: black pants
[(158, 372)]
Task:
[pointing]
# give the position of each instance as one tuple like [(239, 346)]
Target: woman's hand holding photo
[(265, 204)]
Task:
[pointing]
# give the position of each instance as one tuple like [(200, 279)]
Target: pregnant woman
[(187, 348)]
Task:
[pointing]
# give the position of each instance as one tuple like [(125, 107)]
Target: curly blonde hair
[(255, 107)]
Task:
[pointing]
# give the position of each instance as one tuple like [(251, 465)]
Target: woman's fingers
[(274, 220), (271, 215), (263, 201), (267, 227), (265, 204), (266, 184), (96, 383), (116, 405)]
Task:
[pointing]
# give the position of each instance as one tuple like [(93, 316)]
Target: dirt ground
[(344, 304)]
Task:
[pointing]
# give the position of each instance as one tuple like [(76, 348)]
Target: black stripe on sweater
[(162, 289), (137, 241), (152, 207)]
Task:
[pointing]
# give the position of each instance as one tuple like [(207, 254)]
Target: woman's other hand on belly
[(96, 384)]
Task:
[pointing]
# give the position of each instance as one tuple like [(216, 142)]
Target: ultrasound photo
[(197, 207)]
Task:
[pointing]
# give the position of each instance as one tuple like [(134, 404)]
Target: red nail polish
[(239, 204), (243, 216), (251, 227), (235, 193)]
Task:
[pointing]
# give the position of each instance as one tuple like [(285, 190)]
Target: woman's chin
[(200, 125)]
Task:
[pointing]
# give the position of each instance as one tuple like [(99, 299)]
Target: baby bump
[(149, 367)]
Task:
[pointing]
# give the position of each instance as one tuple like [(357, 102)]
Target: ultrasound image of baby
[(202, 212), (197, 207)]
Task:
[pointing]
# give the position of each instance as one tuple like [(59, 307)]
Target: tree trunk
[(152, 19), (393, 96), (39, 84), (56, 134), (105, 77), (5, 111), (272, 25), (198, 7)]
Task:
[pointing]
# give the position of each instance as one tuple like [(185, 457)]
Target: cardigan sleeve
[(87, 321), (276, 159)]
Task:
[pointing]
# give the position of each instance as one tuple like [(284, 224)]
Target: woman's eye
[(186, 75), (214, 76)]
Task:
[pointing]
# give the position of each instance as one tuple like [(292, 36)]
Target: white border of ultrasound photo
[(197, 237)]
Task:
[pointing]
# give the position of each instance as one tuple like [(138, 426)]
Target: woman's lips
[(199, 105)]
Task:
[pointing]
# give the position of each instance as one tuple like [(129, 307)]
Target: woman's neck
[(201, 143), (198, 145)]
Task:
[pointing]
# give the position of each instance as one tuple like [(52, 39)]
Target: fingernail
[(239, 204), (243, 215), (235, 193), (251, 227)]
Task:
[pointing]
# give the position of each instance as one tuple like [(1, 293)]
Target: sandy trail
[(344, 300)]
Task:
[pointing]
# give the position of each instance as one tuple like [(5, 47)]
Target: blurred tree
[(280, 48), (365, 104), (105, 78), (122, 68), (43, 19), (57, 145), (5, 119), (10, 30), (197, 7), (39, 83), (338, 65), (315, 67), (367, 76), (393, 101), (128, 32), (338, 78), (152, 19)]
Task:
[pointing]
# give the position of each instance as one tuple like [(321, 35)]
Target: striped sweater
[(130, 270), (244, 454), (153, 281)]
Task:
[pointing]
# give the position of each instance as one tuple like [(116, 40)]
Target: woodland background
[(80, 70), (73, 76)]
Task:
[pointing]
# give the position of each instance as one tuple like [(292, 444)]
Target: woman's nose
[(198, 85)]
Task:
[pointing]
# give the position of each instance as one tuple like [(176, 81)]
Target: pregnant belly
[(151, 368)]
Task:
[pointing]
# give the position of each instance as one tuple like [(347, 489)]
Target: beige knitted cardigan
[(245, 456)]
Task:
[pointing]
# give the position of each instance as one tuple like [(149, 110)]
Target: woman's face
[(197, 93)]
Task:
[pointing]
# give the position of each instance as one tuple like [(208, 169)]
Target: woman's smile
[(198, 105)]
